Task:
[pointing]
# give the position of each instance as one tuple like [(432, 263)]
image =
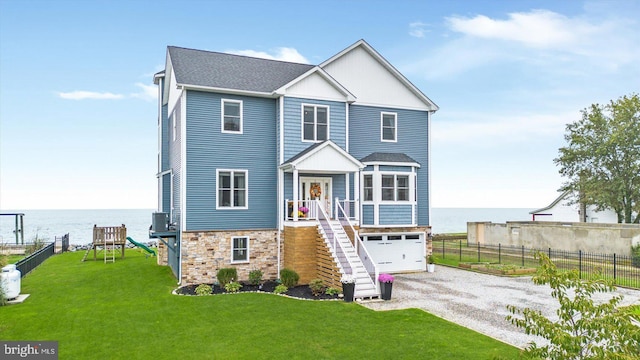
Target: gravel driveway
[(478, 301)]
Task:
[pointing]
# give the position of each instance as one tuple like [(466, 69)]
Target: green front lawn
[(125, 310)]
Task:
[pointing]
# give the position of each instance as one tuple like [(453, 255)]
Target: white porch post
[(296, 194), (356, 195), (347, 197)]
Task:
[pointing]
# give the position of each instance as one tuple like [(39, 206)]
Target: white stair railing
[(346, 267), (361, 250)]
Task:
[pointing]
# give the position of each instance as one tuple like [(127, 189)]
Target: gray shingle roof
[(227, 71), (388, 157)]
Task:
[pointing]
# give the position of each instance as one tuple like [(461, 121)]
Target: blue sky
[(78, 110)]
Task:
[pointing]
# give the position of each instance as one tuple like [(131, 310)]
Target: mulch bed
[(300, 291)]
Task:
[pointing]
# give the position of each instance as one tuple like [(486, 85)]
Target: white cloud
[(578, 46), (281, 53), (149, 92), (83, 95), (538, 28), (417, 29)]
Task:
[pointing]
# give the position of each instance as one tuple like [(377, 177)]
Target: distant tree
[(583, 329), (602, 158)]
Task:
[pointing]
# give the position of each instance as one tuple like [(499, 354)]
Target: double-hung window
[(232, 189), (315, 123), (395, 188), (239, 249), (231, 116), (368, 188), (389, 127)]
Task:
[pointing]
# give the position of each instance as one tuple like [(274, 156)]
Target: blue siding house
[(267, 164)]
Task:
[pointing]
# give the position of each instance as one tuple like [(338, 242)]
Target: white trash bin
[(10, 281)]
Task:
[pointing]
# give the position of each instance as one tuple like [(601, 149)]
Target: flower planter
[(348, 290), (431, 267), (385, 290)]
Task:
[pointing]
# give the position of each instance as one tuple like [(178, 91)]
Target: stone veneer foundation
[(205, 252)]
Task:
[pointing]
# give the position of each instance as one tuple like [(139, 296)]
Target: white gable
[(315, 86), (373, 83), (325, 158)]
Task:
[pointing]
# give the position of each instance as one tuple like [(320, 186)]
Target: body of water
[(47, 224)]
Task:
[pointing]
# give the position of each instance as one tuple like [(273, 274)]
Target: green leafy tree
[(584, 329), (602, 158)]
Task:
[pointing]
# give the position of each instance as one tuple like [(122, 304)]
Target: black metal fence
[(63, 242), (32, 261), (623, 269)]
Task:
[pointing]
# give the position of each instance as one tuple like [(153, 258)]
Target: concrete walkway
[(479, 301)]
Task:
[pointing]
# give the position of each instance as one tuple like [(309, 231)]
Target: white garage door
[(396, 252)]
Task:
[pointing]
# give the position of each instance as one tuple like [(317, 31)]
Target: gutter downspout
[(280, 196)]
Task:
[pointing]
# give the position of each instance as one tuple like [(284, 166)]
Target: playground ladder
[(109, 252), (87, 253)]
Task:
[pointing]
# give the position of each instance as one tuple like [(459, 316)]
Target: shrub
[(635, 255), (583, 329), (280, 289), (232, 287), (289, 277), (332, 291), (317, 287), (203, 289), (255, 277), (226, 275), (37, 244)]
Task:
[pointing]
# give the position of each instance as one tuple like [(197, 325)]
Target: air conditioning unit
[(160, 221)]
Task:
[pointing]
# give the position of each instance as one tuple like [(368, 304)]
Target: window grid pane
[(240, 249), (231, 115), (315, 123), (389, 127), (232, 189)]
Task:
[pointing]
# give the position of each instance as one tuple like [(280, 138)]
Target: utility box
[(160, 222), (10, 281)]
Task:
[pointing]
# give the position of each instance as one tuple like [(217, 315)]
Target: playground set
[(111, 240)]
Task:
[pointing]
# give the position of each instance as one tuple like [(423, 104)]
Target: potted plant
[(302, 211), (386, 284), (348, 286), (431, 266)]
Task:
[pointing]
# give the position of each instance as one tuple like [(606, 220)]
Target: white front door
[(317, 188)]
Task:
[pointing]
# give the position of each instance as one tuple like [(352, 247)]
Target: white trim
[(227, 91), (347, 183), (183, 163), (346, 128), (388, 163), (172, 208), (222, 115), (429, 164), (395, 126), (280, 199), (174, 125), (281, 160), (247, 249), (160, 174), (246, 189), (391, 106), (315, 122)]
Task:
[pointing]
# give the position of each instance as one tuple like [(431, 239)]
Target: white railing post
[(286, 209)]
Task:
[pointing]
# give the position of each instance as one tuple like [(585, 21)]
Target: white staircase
[(365, 285)]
